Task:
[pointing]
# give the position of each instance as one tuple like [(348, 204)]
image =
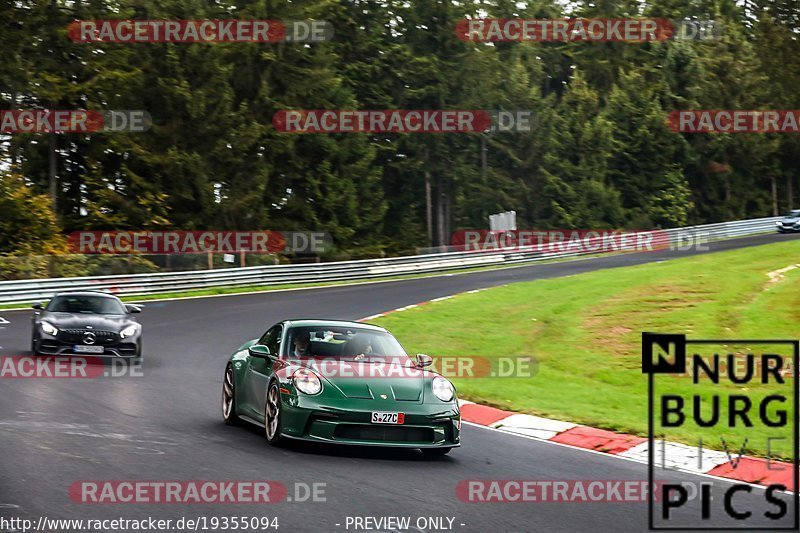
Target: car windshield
[(793, 214), (85, 305), (347, 343)]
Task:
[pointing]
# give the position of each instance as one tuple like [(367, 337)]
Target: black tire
[(229, 415), (34, 345), (435, 452), (272, 416)]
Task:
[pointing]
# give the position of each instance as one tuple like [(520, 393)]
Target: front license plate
[(379, 417), (80, 348)]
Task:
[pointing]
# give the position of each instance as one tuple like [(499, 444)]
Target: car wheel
[(435, 452), (272, 416), (229, 398), (34, 345)]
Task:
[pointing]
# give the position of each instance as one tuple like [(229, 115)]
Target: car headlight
[(128, 332), (307, 381), (778, 223), (443, 389), (49, 328)]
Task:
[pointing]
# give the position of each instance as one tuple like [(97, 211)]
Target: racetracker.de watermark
[(633, 30), (193, 242), (734, 121), (580, 241), (456, 366), (73, 121), (403, 121), (65, 367), (552, 491), (177, 492), (199, 31)]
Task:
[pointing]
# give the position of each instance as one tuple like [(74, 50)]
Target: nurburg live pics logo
[(701, 387)]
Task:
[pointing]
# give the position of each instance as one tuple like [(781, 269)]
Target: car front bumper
[(113, 346), (425, 425), (788, 229)]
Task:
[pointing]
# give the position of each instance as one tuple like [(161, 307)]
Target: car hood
[(80, 321), (791, 220), (374, 380)]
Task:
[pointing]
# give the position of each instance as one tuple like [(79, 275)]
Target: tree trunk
[(789, 192), (428, 206), (53, 173), (484, 165), (440, 200), (13, 142), (448, 206), (774, 197)]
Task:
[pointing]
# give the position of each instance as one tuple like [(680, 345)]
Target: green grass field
[(585, 333)]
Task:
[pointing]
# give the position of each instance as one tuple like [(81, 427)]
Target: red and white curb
[(671, 455)]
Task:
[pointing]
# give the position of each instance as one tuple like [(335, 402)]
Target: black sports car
[(87, 323)]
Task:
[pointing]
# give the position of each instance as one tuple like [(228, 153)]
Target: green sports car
[(340, 382)]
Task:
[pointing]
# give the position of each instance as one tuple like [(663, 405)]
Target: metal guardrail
[(142, 284)]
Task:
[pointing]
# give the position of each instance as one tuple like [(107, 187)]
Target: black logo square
[(663, 353)]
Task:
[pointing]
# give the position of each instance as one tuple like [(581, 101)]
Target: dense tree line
[(601, 154)]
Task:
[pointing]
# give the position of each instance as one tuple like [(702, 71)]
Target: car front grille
[(383, 433), (76, 335)]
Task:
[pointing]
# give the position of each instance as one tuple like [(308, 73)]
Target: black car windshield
[(793, 214), (86, 305), (347, 343)]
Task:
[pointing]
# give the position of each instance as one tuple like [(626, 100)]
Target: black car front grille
[(383, 433), (77, 336)]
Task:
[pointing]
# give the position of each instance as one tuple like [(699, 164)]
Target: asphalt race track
[(166, 425)]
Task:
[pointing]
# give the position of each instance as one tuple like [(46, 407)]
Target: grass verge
[(585, 333)]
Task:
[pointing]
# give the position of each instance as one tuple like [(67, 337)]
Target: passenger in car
[(302, 344)]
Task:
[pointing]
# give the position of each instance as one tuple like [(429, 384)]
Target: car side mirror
[(37, 305), (424, 360), (133, 308), (260, 351)]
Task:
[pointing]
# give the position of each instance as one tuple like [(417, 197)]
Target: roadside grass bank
[(585, 333)]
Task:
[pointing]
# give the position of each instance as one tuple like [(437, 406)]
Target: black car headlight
[(49, 328)]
